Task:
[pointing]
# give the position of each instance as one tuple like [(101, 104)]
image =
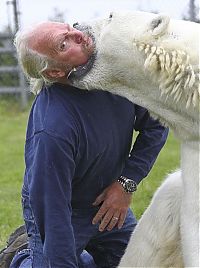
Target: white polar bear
[(156, 239), (154, 62)]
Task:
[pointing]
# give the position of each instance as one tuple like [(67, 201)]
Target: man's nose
[(76, 35)]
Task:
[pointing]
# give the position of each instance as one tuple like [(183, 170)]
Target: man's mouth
[(89, 40), (88, 44), (90, 48)]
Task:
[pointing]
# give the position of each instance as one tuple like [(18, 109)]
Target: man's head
[(50, 50)]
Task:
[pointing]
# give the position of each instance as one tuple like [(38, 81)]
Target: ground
[(12, 134)]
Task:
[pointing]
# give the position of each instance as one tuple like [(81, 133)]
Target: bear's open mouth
[(174, 71)]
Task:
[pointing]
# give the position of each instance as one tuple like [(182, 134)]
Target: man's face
[(62, 43)]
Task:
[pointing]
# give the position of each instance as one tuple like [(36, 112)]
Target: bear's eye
[(111, 15), (75, 24)]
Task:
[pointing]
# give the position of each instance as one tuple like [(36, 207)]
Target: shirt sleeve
[(50, 177), (150, 140)]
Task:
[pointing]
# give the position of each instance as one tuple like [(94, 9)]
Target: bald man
[(81, 171)]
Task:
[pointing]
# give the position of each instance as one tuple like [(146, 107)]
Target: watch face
[(130, 186)]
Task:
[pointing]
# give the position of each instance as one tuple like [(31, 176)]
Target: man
[(80, 174)]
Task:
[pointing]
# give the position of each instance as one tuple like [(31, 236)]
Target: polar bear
[(156, 239), (154, 61)]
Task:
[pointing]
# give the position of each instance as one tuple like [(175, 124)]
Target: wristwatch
[(129, 185)]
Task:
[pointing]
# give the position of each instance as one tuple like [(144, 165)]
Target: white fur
[(154, 62), (158, 230)]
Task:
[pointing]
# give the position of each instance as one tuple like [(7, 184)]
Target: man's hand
[(115, 203)]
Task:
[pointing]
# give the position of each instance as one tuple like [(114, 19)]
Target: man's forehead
[(50, 26), (46, 30), (44, 35)]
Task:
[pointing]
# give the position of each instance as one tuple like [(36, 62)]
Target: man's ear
[(159, 25), (54, 73)]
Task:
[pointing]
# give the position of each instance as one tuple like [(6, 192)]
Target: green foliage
[(12, 135), (8, 59), (9, 80)]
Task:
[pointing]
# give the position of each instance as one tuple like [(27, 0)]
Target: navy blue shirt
[(78, 142)]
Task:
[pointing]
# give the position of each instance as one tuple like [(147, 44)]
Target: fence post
[(24, 93)]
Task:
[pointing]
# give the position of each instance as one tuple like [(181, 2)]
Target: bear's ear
[(159, 25)]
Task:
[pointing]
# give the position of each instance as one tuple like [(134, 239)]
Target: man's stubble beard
[(90, 52)]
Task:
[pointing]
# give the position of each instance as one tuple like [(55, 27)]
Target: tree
[(58, 15), (193, 11)]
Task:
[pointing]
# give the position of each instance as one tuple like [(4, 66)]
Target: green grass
[(12, 135), (167, 161)]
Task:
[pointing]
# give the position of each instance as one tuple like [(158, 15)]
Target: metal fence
[(12, 80)]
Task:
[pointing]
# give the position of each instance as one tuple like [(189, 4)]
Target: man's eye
[(63, 46)]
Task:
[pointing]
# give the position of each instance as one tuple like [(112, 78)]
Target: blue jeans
[(94, 249)]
